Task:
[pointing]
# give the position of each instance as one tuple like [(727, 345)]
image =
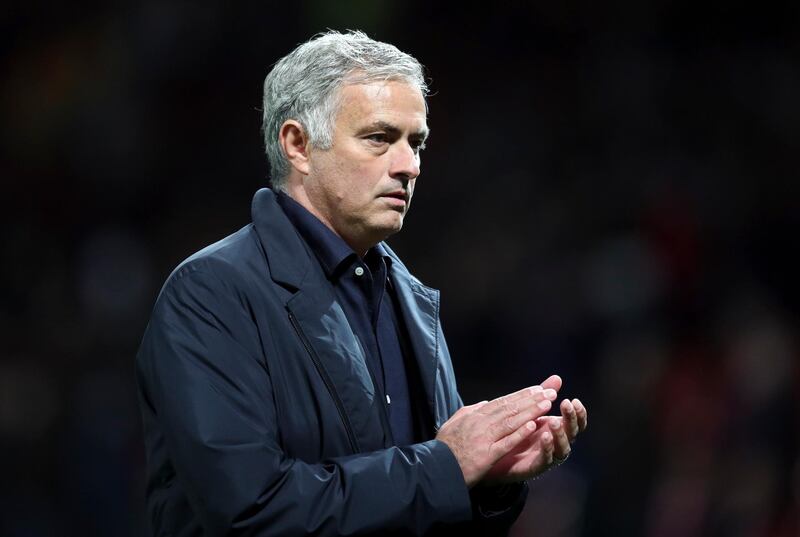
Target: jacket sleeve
[(495, 509), (200, 370)]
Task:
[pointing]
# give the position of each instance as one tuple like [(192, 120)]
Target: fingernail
[(544, 405), (550, 393), (531, 425)]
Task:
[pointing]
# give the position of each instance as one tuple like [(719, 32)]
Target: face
[(362, 186)]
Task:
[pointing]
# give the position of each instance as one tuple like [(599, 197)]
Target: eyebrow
[(392, 129)]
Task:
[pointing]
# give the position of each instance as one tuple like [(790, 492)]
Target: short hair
[(304, 85)]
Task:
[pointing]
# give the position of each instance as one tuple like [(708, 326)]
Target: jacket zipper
[(328, 384)]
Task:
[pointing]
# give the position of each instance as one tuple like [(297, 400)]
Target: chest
[(326, 399)]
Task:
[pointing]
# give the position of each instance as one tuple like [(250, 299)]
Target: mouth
[(396, 197)]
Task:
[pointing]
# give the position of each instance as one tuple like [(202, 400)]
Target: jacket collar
[(333, 253), (330, 248), (287, 255)]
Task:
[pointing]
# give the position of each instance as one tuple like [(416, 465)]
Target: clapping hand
[(511, 438)]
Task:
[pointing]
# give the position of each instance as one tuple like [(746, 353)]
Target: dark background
[(610, 193)]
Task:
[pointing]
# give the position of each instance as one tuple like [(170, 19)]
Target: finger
[(521, 396), (544, 422), (581, 412), (543, 440), (514, 416), (553, 382), (514, 403), (570, 420), (561, 447), (503, 446), (542, 458), (547, 449)]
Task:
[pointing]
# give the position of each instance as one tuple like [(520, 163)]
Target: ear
[(294, 141)]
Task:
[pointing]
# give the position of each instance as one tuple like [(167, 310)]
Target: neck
[(299, 194)]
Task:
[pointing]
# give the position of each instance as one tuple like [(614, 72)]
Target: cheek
[(340, 179), (357, 179), (364, 177)]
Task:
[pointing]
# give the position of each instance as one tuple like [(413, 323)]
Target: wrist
[(491, 500)]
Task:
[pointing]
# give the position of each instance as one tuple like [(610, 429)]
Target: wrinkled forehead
[(391, 101)]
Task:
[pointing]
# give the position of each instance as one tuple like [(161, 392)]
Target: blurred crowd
[(609, 193)]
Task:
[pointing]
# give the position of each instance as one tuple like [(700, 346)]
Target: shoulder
[(227, 264)]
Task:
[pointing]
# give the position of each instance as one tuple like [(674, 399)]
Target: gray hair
[(304, 86)]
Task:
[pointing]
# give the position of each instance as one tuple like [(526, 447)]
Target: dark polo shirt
[(363, 289)]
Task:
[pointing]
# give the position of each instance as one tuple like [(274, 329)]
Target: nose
[(405, 162)]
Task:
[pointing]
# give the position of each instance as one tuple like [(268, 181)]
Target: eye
[(378, 137), (417, 145)]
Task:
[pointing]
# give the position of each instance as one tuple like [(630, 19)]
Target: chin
[(397, 223), (387, 228)]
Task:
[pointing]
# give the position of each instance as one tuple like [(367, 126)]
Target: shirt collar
[(331, 250)]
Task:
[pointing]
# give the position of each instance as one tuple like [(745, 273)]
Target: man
[(294, 379)]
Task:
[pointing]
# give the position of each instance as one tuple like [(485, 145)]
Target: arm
[(200, 370)]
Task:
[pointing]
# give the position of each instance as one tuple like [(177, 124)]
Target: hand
[(565, 428), (480, 435), (549, 446)]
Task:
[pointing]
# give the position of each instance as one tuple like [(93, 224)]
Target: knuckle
[(508, 424), (498, 448), (497, 431), (511, 441)]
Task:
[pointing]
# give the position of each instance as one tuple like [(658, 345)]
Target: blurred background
[(610, 192)]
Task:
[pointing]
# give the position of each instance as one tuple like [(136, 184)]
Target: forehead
[(395, 102)]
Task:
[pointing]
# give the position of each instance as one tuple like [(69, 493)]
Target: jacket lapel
[(420, 309), (323, 327), (320, 322)]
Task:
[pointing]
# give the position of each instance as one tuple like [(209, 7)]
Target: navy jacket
[(260, 416)]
